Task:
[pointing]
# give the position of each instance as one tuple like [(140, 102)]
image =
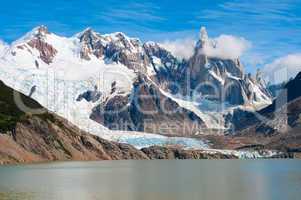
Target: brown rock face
[(47, 52), (91, 44), (49, 138), (117, 48), (128, 52)]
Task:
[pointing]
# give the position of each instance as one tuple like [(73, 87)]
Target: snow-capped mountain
[(224, 75), (217, 78), (100, 82)]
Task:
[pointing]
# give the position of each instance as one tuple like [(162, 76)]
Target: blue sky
[(273, 26)]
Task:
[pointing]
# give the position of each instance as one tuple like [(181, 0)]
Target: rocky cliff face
[(115, 47), (147, 109), (50, 138), (46, 51), (224, 78)]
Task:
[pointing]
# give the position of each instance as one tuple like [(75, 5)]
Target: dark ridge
[(290, 92), (10, 113)]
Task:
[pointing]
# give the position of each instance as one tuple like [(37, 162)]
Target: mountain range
[(123, 90)]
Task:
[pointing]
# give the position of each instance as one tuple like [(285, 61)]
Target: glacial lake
[(154, 180)]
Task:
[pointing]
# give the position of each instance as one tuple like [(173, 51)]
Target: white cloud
[(226, 47), (283, 68), (181, 48)]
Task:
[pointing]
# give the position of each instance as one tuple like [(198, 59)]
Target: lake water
[(154, 180)]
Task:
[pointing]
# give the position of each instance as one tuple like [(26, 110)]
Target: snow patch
[(220, 79), (211, 119)]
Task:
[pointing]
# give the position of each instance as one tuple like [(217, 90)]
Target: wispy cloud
[(257, 9), (138, 12), (120, 14)]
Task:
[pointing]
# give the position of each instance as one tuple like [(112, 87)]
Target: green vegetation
[(7, 122), (10, 114)]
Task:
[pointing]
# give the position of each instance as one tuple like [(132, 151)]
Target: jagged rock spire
[(203, 35), (87, 35), (258, 75), (42, 31), (203, 41)]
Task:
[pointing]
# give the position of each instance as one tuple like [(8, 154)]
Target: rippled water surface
[(154, 180)]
